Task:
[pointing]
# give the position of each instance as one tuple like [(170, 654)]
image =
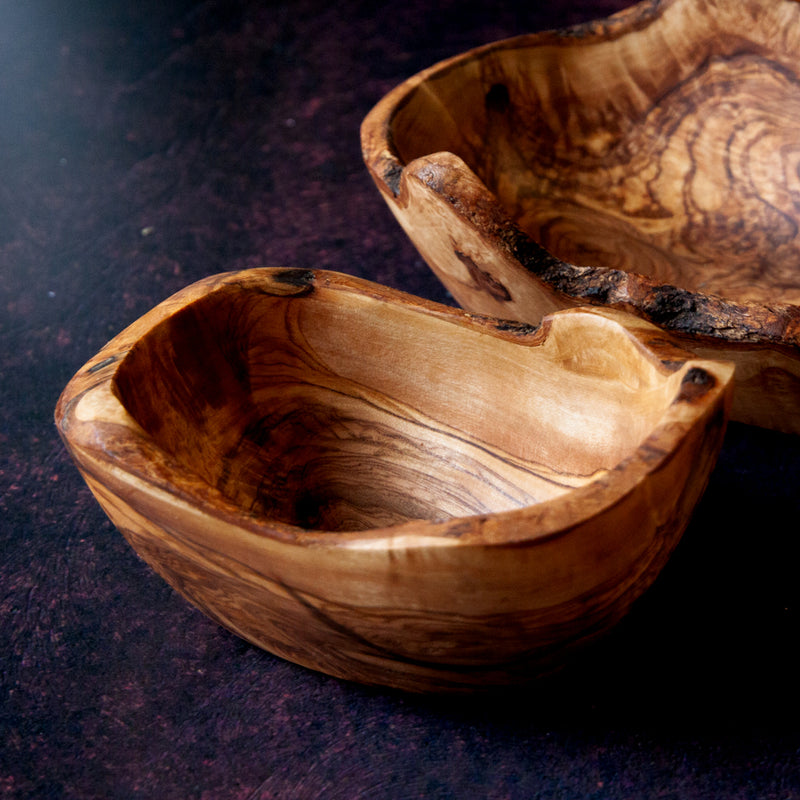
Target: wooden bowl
[(648, 162), (389, 490)]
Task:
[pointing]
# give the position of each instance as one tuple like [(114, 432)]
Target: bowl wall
[(357, 415)]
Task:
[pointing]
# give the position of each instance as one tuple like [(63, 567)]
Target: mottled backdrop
[(146, 144)]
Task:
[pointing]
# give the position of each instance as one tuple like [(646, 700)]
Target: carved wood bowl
[(649, 162), (392, 491)]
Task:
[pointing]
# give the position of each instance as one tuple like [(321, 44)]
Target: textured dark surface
[(145, 145)]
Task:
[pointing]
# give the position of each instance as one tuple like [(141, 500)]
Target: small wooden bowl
[(649, 162), (392, 491)]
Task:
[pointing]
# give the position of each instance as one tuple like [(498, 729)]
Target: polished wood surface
[(654, 158), (393, 491)]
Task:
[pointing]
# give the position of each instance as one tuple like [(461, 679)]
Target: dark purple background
[(147, 144)]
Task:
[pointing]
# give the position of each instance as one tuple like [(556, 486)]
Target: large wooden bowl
[(389, 490), (647, 162)]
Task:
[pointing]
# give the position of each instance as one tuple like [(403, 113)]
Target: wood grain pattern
[(392, 491), (652, 157)]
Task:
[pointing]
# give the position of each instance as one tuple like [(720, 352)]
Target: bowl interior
[(340, 411), (664, 144)]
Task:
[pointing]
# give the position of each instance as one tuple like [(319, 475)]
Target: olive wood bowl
[(389, 490), (648, 162)]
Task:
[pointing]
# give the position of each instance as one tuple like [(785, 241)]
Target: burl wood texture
[(648, 162), (392, 491)]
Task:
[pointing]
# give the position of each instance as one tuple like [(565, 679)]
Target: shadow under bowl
[(389, 490)]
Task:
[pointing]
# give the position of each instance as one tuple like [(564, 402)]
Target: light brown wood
[(392, 491), (649, 162)]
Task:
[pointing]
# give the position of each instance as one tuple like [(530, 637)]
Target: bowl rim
[(669, 306), (95, 426)]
